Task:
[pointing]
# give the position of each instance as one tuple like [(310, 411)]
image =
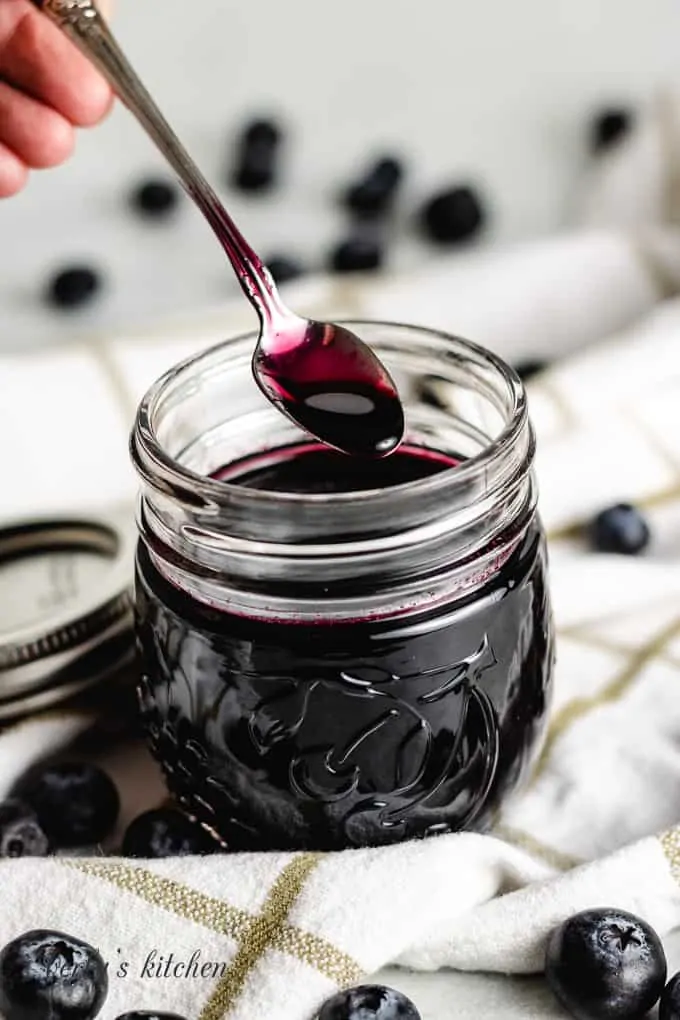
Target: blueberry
[(669, 1006), (165, 832), (143, 1014), (262, 132), (155, 199), (255, 172), (73, 287), (20, 832), (528, 369), (369, 1002), (357, 254), (283, 268), (453, 215), (76, 803), (605, 964), (609, 127), (620, 529), (256, 164), (374, 194), (46, 975)]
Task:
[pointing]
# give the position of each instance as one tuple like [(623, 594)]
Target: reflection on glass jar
[(339, 652)]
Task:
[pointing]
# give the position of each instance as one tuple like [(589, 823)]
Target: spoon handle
[(84, 24)]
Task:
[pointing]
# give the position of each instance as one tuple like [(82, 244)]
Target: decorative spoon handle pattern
[(74, 15)]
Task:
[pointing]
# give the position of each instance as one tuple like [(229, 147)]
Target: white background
[(495, 91)]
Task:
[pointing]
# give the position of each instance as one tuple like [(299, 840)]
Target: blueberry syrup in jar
[(340, 652)]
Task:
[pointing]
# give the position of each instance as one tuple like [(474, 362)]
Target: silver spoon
[(322, 376)]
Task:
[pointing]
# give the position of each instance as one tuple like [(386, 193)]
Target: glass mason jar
[(339, 653)]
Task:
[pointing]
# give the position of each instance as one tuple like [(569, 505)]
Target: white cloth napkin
[(276, 933)]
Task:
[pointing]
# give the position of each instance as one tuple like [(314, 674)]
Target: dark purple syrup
[(310, 468), (334, 388), (324, 736)]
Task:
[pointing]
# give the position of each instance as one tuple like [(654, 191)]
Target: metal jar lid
[(65, 607)]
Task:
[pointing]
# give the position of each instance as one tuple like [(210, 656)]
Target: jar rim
[(212, 492)]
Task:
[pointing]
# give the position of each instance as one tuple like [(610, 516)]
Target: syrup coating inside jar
[(313, 468), (324, 735)]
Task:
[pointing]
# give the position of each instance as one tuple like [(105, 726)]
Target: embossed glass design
[(342, 665)]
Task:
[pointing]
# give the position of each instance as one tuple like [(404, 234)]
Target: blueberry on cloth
[(77, 804), (453, 215), (73, 287), (369, 1002), (528, 369), (605, 964), (374, 194), (46, 975), (620, 529), (357, 254), (165, 832), (155, 199), (609, 126), (256, 165), (263, 131), (669, 1004), (20, 831)]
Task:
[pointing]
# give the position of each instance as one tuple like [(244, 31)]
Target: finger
[(13, 173), (39, 136), (41, 61)]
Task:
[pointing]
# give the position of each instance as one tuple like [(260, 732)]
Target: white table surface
[(454, 996)]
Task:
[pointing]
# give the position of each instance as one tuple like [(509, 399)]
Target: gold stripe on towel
[(536, 847), (580, 636), (260, 934), (670, 844), (218, 916), (168, 895), (576, 529), (573, 630), (666, 108), (661, 498), (318, 954), (579, 707), (662, 277)]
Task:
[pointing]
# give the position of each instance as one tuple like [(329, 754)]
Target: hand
[(47, 89)]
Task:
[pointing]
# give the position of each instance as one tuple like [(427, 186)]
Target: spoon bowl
[(322, 376), (329, 382)]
